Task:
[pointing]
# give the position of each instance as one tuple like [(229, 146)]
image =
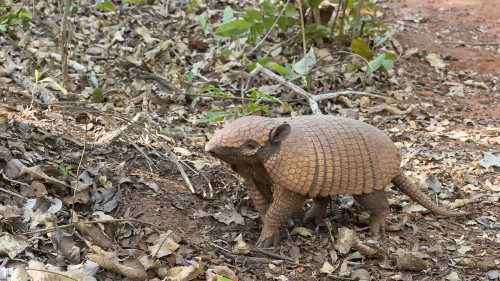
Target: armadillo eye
[(251, 145)]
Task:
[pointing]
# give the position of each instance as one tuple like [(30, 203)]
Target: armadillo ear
[(279, 133)]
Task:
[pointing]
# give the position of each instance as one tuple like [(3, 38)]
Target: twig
[(312, 103), (64, 43), (312, 100), (337, 94), (304, 47), (471, 43), (271, 254), (269, 32), (12, 193), (50, 229), (281, 44)]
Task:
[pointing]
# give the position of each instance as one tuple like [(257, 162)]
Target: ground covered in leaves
[(131, 213)]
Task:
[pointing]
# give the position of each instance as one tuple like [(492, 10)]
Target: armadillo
[(286, 160)]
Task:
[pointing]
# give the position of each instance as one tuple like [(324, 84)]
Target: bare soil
[(467, 35)]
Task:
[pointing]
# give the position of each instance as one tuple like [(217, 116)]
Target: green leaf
[(389, 56), (228, 15), (314, 3), (261, 62), (282, 24), (214, 115), (386, 37), (375, 64), (220, 278), (192, 5), (269, 9), (388, 64), (289, 69), (202, 19), (97, 96), (190, 76), (361, 48), (227, 53), (93, 79), (280, 69), (107, 6), (300, 67), (233, 28), (268, 23), (59, 87), (254, 14), (290, 10), (259, 27)]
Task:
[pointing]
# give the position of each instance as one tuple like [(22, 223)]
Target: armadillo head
[(248, 140)]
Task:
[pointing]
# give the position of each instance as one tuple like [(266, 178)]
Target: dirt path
[(466, 32)]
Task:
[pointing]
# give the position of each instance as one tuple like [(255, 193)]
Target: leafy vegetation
[(256, 97)]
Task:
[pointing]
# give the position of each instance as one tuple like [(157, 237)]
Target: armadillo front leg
[(377, 205), (260, 196), (285, 204)]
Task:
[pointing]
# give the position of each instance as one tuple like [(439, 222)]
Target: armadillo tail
[(402, 182)]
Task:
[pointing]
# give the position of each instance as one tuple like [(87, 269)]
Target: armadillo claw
[(270, 241)]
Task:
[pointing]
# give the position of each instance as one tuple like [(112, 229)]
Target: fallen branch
[(311, 99), (50, 229)]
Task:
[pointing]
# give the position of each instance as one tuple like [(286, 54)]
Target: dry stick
[(80, 165), (269, 32), (303, 35), (12, 193), (312, 103), (177, 162), (271, 254), (50, 229), (464, 43), (280, 45), (317, 20), (312, 100), (64, 43)]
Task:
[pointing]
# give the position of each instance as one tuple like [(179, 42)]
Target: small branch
[(312, 103), (303, 36), (12, 193), (337, 94), (471, 43), (271, 254), (312, 100), (50, 229), (281, 45)]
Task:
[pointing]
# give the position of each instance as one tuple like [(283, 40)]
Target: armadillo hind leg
[(377, 205), (318, 209), (285, 204)]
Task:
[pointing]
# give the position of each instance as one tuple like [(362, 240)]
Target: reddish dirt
[(466, 32)]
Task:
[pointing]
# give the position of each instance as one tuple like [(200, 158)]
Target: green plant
[(381, 61), (14, 18), (109, 6), (66, 169), (255, 22), (257, 97)]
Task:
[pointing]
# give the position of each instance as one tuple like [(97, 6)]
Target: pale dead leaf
[(229, 216), (116, 267), (12, 245), (165, 245), (239, 246)]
